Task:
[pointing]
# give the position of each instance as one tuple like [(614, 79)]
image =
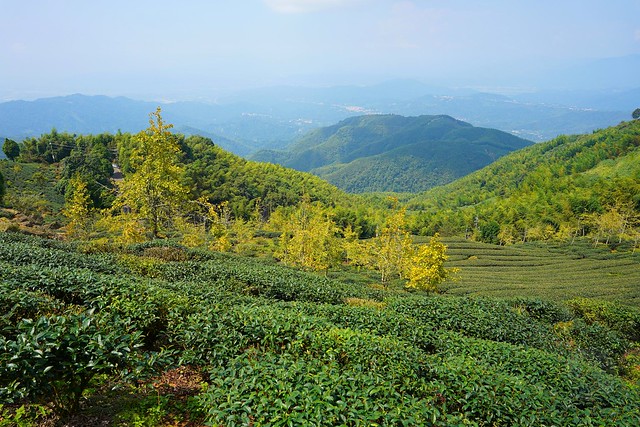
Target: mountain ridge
[(272, 118), (416, 152)]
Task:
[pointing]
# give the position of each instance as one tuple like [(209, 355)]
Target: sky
[(193, 49)]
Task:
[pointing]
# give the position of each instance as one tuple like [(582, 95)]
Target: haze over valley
[(261, 74)]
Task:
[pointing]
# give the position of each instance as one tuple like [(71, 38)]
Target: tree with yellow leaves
[(392, 253), (77, 207), (426, 268), (153, 192), (391, 245), (308, 238)]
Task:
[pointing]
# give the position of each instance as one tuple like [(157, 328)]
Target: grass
[(549, 271)]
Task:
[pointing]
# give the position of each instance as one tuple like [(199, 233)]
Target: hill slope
[(395, 153), (551, 185), (267, 345)]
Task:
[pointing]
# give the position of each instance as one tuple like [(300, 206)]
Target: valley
[(206, 289), (320, 213)]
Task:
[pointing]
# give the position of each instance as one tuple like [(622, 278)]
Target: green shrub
[(18, 304), (594, 342), (18, 249), (375, 321), (478, 317), (572, 380), (281, 390), (23, 416), (623, 319), (166, 253), (544, 311), (77, 286), (54, 358), (212, 335)]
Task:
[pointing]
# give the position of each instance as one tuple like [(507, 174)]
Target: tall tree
[(308, 238), (11, 149), (391, 246), (77, 207), (426, 269), (153, 190), (91, 159)]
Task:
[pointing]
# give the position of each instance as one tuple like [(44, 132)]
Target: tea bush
[(595, 342), (29, 251), (544, 311), (284, 389), (55, 358), (478, 317), (624, 319), (213, 335), (289, 348)]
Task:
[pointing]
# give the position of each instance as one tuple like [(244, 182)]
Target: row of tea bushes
[(280, 347)]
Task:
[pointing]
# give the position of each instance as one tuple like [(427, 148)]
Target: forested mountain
[(568, 186), (221, 176), (395, 153)]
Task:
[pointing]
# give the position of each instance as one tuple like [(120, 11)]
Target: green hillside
[(395, 153), (562, 188), (552, 270), (221, 176), (169, 297), (47, 162)]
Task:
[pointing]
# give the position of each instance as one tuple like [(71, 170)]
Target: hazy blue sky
[(175, 48)]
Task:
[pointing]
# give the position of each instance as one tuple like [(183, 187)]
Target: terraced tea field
[(556, 272)]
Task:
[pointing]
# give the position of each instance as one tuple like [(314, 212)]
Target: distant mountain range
[(271, 118), (395, 153)]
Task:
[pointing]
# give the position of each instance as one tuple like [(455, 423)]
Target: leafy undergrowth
[(156, 335)]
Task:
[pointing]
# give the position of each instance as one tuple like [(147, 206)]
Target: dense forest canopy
[(560, 188), (209, 171), (387, 152)]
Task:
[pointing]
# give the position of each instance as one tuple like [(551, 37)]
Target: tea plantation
[(550, 270), (155, 334)]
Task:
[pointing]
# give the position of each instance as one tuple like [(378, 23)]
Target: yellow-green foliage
[(363, 302), (392, 246), (426, 269), (153, 190), (143, 266), (308, 238), (191, 235), (7, 225), (77, 207), (166, 253), (121, 229), (393, 254), (631, 365)]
